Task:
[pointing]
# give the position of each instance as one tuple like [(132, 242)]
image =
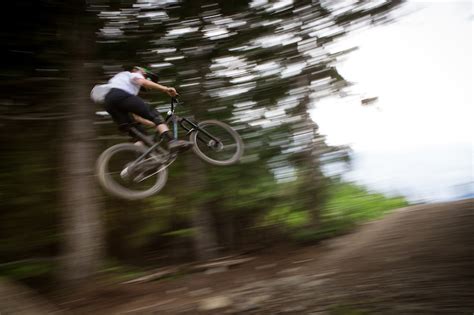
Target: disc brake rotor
[(215, 145)]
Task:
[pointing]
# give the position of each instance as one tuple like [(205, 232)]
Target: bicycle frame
[(191, 126), (185, 123)]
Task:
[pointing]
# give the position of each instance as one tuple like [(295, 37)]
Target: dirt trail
[(417, 260)]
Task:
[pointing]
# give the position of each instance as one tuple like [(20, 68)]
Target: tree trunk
[(204, 236), (314, 183), (313, 179), (82, 225), (205, 243)]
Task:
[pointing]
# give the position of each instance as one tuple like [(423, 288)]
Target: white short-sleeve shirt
[(126, 81)]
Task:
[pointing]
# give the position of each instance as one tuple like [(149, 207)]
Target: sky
[(417, 139)]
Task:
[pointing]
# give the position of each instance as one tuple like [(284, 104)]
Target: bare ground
[(417, 260)]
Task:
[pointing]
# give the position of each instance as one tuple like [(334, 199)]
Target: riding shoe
[(179, 145)]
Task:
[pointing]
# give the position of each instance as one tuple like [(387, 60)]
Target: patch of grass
[(120, 272), (183, 233), (312, 236)]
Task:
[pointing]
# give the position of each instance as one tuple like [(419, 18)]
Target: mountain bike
[(132, 171)]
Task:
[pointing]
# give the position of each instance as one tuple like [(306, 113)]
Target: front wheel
[(217, 143), (121, 175)]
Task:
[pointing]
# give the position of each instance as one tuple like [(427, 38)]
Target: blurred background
[(348, 109)]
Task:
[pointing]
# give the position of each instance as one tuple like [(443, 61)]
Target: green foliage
[(348, 205), (28, 190), (27, 269), (285, 214), (353, 203)]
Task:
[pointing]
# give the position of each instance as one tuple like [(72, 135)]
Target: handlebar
[(174, 102)]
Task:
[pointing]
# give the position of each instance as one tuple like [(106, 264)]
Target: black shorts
[(120, 104)]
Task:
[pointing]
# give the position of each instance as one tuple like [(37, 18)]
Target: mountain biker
[(125, 107)]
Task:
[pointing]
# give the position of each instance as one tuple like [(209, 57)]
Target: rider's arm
[(155, 86)]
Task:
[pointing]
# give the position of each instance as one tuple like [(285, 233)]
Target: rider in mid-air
[(125, 107)]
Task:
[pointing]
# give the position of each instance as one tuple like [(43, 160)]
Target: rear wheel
[(120, 175), (217, 143)]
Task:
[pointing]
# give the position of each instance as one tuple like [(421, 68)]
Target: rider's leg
[(136, 105), (173, 144), (114, 97), (120, 116), (164, 132)]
